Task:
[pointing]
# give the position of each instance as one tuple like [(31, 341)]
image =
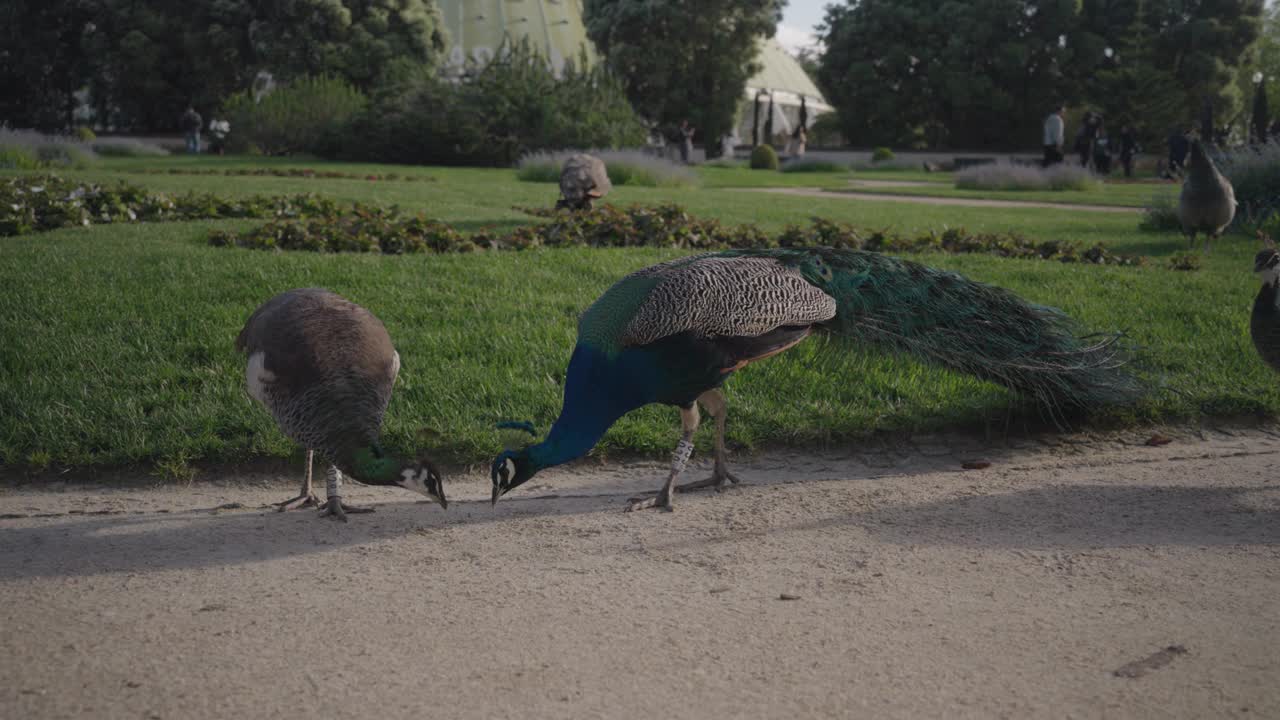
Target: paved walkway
[(930, 200)]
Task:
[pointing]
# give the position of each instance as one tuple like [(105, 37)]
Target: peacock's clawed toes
[(306, 500), (338, 510), (716, 480), (661, 501)]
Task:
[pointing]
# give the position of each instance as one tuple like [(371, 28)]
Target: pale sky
[(798, 19)]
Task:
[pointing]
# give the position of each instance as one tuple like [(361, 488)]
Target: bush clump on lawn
[(29, 150), (1007, 176), (1161, 213), (31, 204), (126, 147), (1254, 172), (764, 157), (514, 105), (813, 164), (302, 116), (625, 167), (881, 154)]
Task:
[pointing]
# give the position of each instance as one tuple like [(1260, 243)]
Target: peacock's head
[(425, 478), (512, 468)]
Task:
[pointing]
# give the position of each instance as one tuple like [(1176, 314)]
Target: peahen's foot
[(306, 500), (661, 500), (338, 510), (716, 480)]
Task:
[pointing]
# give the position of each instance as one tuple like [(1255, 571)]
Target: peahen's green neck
[(371, 465)]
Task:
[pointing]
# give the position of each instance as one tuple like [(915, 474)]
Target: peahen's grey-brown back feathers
[(1208, 201), (583, 178), (322, 365)]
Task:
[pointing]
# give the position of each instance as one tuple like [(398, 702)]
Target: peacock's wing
[(714, 296)]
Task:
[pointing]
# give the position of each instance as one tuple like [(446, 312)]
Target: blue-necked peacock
[(324, 367), (672, 333)]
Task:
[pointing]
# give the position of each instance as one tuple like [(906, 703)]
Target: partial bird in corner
[(583, 179), (1264, 323), (1208, 202), (674, 332), (324, 366)]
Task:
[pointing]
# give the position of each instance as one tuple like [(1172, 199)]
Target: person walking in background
[(686, 141), (1128, 149), (1101, 150), (190, 122), (799, 139), (1054, 132), (1084, 138)]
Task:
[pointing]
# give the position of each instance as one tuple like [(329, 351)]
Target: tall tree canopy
[(983, 74), (144, 60), (684, 60)]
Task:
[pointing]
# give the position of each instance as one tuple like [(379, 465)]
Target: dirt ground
[(863, 582)]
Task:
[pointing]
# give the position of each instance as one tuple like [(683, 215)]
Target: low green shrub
[(36, 203), (514, 105), (1010, 177), (764, 157), (370, 229), (303, 116), (17, 157), (881, 154), (1161, 213), (127, 147), (1254, 172), (84, 134), (813, 164), (284, 172)]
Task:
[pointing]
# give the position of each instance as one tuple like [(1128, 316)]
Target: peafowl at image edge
[(672, 333)]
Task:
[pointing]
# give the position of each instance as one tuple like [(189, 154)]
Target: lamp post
[(1260, 110)]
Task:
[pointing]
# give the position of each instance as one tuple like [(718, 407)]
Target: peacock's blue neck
[(599, 388)]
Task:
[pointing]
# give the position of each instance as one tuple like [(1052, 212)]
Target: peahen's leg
[(689, 423), (714, 402), (306, 497), (335, 508)]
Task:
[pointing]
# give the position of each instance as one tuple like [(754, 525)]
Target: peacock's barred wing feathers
[(873, 299), (968, 326)]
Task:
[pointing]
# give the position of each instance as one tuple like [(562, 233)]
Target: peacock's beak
[(497, 493)]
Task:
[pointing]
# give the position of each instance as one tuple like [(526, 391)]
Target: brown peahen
[(672, 333), (583, 179), (1208, 202), (324, 366), (1264, 323)]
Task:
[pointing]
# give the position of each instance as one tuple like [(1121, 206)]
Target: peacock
[(1264, 323), (583, 179), (674, 332), (1208, 202), (324, 366)]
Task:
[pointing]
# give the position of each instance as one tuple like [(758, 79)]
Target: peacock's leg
[(306, 497), (335, 508), (714, 402), (689, 423)]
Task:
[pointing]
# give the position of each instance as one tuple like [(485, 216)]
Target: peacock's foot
[(338, 510), (716, 480), (307, 500), (661, 500)]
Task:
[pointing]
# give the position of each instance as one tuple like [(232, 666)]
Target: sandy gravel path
[(861, 582), (931, 200)]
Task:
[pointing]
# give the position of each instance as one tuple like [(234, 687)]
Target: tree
[(919, 72), (683, 60), (43, 61)]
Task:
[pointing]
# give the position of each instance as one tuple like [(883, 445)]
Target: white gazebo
[(782, 79)]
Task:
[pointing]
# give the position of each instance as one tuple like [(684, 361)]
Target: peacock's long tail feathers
[(970, 327)]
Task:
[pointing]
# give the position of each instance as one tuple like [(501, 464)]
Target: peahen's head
[(425, 478), (1267, 265)]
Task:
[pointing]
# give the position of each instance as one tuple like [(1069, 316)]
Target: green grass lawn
[(1119, 194), (116, 341)]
